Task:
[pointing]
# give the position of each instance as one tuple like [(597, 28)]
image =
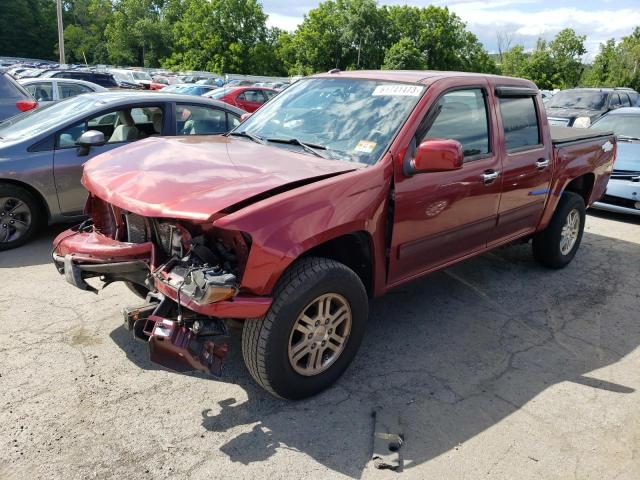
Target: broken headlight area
[(208, 272)]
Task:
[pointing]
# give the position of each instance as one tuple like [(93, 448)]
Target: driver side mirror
[(436, 156), (90, 138), (244, 116)]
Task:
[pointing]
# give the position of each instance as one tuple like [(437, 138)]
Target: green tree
[(441, 36), (85, 23), (28, 28), (219, 35), (566, 50), (404, 56), (137, 33), (617, 65), (555, 64), (603, 70), (514, 61)]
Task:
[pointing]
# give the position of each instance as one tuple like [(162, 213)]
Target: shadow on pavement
[(36, 252), (453, 354), (619, 217)]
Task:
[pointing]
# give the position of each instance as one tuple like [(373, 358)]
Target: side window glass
[(269, 94), (462, 117), (66, 90), (233, 121), (148, 120), (200, 120), (520, 122), (67, 138), (615, 100), (42, 92), (252, 96), (624, 99)]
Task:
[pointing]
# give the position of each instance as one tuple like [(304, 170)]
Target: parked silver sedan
[(48, 90), (42, 152)]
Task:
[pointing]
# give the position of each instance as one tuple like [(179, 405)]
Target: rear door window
[(614, 100), (200, 120), (520, 123), (42, 91), (66, 89), (255, 96), (624, 99)]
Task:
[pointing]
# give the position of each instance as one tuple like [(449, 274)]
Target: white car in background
[(132, 76), (49, 90)]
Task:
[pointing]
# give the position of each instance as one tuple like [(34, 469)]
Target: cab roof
[(426, 77)]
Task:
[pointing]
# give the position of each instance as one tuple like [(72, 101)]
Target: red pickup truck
[(341, 188)]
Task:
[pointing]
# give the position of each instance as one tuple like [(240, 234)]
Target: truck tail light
[(25, 105)]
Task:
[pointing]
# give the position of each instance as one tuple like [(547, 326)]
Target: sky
[(523, 20)]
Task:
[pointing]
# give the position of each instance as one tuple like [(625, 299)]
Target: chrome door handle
[(542, 164), (490, 176)]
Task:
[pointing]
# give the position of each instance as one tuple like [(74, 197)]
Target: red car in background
[(247, 98)]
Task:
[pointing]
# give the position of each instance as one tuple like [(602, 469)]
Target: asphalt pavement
[(494, 368)]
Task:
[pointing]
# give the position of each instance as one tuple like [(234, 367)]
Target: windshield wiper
[(308, 147), (250, 136), (627, 137)]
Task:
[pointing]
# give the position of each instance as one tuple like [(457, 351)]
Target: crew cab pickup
[(341, 188)]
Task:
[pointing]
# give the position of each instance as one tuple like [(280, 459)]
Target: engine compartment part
[(206, 274), (180, 348), (191, 343)]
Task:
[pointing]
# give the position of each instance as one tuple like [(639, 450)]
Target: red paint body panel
[(95, 247), (195, 177), (233, 98), (288, 202), (242, 306)]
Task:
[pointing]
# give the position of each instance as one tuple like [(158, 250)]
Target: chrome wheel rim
[(570, 231), (15, 219), (320, 334)]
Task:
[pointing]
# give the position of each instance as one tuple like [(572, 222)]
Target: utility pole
[(60, 32)]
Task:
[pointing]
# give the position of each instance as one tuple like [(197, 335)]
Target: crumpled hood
[(196, 177)]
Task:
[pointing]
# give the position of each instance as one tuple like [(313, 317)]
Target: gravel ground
[(496, 368)]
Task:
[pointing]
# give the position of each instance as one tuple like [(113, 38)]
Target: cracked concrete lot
[(497, 368)]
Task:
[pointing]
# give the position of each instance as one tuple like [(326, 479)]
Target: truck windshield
[(581, 99), (338, 118)]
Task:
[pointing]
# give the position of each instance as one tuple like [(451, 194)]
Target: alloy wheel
[(320, 334), (570, 232), (15, 219)]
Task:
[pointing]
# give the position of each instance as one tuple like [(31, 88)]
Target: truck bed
[(564, 135)]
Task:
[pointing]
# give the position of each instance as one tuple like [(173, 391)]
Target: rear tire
[(313, 295), (21, 216), (557, 244)]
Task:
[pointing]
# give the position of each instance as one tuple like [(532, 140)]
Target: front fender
[(284, 227)]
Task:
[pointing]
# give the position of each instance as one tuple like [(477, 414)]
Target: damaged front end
[(176, 341), (190, 272)]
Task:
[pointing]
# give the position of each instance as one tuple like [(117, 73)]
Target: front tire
[(312, 330), (557, 244)]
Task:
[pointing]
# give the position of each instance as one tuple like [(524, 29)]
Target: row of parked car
[(607, 109), (42, 152)]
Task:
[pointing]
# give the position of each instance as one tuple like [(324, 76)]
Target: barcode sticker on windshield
[(397, 90)]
